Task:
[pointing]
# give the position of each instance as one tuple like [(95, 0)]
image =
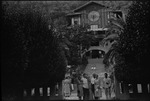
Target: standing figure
[(97, 86), (107, 85), (66, 87), (79, 87), (86, 93), (92, 85)]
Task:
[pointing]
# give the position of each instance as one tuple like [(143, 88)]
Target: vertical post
[(114, 82), (72, 20), (79, 21)]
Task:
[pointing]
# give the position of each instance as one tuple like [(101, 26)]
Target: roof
[(86, 4), (70, 14)]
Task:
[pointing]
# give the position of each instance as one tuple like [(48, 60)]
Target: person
[(97, 86), (107, 85), (56, 89), (92, 85), (86, 92), (79, 87), (66, 87)]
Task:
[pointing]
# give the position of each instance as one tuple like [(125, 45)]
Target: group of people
[(89, 87)]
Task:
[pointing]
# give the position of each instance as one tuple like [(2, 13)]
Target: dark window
[(95, 43), (75, 22), (100, 32), (118, 14)]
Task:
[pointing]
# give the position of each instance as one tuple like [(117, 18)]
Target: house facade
[(96, 16)]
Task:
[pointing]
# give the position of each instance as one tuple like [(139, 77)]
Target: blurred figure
[(107, 86), (79, 87), (97, 87), (86, 93), (56, 89), (92, 85), (66, 87)]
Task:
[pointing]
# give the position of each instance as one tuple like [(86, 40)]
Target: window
[(94, 27), (95, 43), (76, 21), (112, 15), (116, 14)]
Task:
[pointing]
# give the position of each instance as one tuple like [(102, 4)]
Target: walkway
[(99, 69)]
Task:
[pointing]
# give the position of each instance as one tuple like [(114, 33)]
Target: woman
[(86, 87), (66, 87), (107, 85), (79, 87), (97, 86)]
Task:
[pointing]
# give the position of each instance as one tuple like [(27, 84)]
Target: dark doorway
[(98, 54), (95, 53)]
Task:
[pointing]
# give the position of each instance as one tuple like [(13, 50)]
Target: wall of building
[(103, 19)]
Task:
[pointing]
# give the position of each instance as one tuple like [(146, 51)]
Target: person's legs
[(88, 94), (80, 98), (93, 91), (109, 93), (96, 98), (106, 93), (84, 93)]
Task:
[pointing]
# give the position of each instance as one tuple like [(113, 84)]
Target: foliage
[(80, 41), (134, 44), (31, 55), (115, 29)]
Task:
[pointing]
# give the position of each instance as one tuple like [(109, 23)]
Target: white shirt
[(106, 82), (92, 80), (85, 83)]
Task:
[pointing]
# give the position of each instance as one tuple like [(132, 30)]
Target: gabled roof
[(70, 14), (86, 4)]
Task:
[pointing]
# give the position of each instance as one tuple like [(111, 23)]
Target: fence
[(133, 91), (44, 93)]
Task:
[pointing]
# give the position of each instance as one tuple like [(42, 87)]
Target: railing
[(37, 91), (134, 90), (42, 93)]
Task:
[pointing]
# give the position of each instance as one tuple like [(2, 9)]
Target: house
[(96, 16)]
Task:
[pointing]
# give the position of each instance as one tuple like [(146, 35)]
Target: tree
[(31, 54), (115, 29), (80, 40), (133, 45)]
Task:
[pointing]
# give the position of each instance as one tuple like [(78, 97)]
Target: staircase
[(98, 67)]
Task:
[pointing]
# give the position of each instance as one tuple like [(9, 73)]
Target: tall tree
[(115, 29), (134, 45), (31, 54)]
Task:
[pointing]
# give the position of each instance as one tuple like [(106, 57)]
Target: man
[(79, 87), (107, 85), (92, 85), (86, 92)]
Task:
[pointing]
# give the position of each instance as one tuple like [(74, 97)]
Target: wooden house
[(96, 16)]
